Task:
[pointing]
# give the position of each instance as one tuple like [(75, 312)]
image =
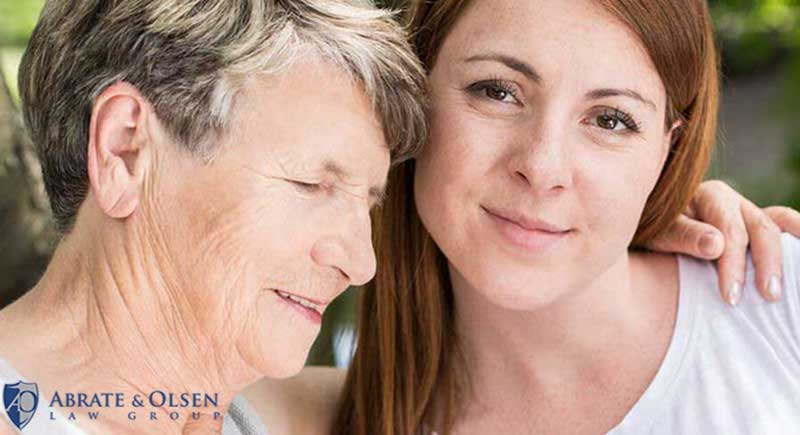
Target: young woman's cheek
[(613, 187)]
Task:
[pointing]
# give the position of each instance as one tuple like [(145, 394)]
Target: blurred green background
[(759, 147)]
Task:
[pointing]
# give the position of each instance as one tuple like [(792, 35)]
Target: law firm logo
[(21, 400)]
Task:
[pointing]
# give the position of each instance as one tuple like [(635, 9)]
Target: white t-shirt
[(242, 419), (728, 370)]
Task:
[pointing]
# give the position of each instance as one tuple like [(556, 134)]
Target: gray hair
[(189, 59)]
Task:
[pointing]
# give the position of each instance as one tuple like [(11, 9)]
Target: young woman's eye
[(495, 90), (615, 120)]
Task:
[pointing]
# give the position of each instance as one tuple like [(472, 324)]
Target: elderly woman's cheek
[(232, 237)]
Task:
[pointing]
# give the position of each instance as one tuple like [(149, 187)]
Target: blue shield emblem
[(20, 401)]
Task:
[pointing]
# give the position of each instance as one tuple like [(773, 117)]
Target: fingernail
[(735, 294), (708, 244), (774, 287)]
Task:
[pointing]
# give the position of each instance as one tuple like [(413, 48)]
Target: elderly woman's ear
[(118, 149)]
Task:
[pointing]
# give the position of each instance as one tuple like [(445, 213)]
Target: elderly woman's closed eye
[(212, 170)]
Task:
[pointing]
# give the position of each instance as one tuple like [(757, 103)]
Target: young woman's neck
[(589, 334)]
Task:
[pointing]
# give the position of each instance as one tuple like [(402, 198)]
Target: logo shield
[(20, 401)]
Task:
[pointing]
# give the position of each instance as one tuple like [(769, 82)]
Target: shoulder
[(305, 403), (781, 317), (702, 273), (733, 357), (791, 259), (791, 271), (790, 255)]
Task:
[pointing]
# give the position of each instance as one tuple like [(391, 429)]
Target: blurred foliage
[(755, 33), (792, 118), (17, 19), (761, 34)]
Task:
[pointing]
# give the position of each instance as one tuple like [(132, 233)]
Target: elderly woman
[(212, 166)]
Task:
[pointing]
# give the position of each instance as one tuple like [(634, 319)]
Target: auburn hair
[(406, 371)]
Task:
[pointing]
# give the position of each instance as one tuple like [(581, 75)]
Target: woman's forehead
[(557, 40)]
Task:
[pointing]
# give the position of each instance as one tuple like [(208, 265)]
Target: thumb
[(691, 237)]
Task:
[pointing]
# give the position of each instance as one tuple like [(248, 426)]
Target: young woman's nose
[(541, 160)]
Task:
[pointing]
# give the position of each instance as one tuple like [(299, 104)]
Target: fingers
[(787, 219), (742, 223), (765, 247), (691, 237), (733, 261), (719, 205)]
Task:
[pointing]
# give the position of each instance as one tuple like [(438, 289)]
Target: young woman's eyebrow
[(511, 62), (630, 93)]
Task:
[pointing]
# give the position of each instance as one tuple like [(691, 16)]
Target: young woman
[(565, 136)]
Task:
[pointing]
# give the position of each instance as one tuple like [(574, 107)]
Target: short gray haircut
[(189, 59)]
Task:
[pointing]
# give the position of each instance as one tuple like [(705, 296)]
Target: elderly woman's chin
[(277, 341)]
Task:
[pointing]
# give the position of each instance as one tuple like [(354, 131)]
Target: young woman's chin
[(504, 284)]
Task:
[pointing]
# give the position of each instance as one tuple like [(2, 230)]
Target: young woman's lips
[(530, 235), (307, 308)]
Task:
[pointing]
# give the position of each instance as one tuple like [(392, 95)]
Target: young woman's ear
[(670, 137), (118, 147)]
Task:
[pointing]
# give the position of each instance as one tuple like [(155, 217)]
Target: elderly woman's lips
[(312, 310), (523, 235)]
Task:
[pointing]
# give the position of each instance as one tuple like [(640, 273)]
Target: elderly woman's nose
[(540, 161), (349, 250)]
